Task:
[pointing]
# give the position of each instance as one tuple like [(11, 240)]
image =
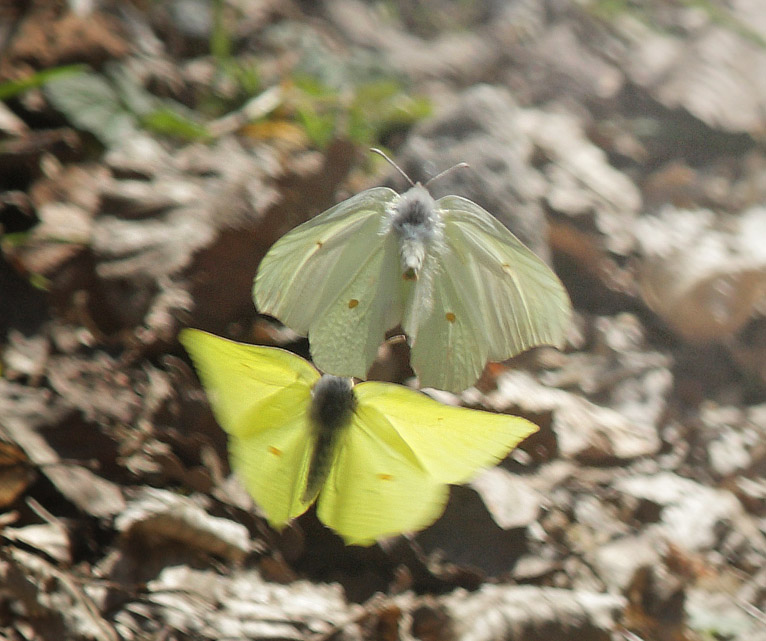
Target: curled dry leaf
[(582, 430), (16, 473), (49, 601), (203, 604), (510, 500), (520, 612), (689, 513), (711, 64), (702, 276), (24, 414), (161, 515), (580, 181), (50, 538)]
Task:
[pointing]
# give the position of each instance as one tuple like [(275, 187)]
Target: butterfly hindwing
[(346, 337), (377, 487), (445, 323), (273, 463), (395, 461)]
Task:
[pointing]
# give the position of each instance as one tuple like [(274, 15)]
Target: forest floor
[(151, 153)]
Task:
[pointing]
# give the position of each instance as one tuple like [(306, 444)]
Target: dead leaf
[(520, 612), (703, 275), (510, 500), (582, 430), (154, 514), (206, 605), (49, 601), (16, 474)]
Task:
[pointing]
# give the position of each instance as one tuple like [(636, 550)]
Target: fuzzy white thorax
[(416, 220)]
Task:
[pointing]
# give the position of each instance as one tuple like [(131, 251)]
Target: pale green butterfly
[(464, 289), (378, 456)]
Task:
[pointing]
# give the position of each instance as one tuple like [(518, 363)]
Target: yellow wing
[(376, 488), (239, 377), (394, 463), (260, 397), (452, 443)]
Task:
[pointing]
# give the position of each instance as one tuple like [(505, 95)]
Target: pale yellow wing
[(524, 302), (309, 267), (345, 338), (446, 324)]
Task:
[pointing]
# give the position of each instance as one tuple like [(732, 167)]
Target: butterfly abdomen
[(418, 224), (332, 406)]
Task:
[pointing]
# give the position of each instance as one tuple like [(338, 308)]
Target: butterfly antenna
[(393, 164), (460, 165)]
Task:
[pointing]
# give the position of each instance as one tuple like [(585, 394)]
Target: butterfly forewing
[(240, 377), (301, 275), (526, 304), (451, 443)]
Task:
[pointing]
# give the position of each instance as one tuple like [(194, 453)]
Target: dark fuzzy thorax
[(332, 406)]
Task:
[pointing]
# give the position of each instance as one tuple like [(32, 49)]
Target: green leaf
[(380, 106), (169, 122), (13, 88), (91, 103), (220, 38), (319, 127)]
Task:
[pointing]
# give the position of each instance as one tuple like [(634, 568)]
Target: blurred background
[(150, 154)]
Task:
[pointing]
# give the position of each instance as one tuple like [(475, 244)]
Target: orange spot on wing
[(275, 451), (352, 303), (319, 244), (450, 317), (386, 477)]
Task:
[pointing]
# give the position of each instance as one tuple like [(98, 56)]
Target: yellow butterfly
[(377, 457)]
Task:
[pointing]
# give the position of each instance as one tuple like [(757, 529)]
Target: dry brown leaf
[(51, 602), (703, 275), (206, 605), (154, 514), (582, 430), (708, 63), (16, 473), (688, 513), (520, 612)]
